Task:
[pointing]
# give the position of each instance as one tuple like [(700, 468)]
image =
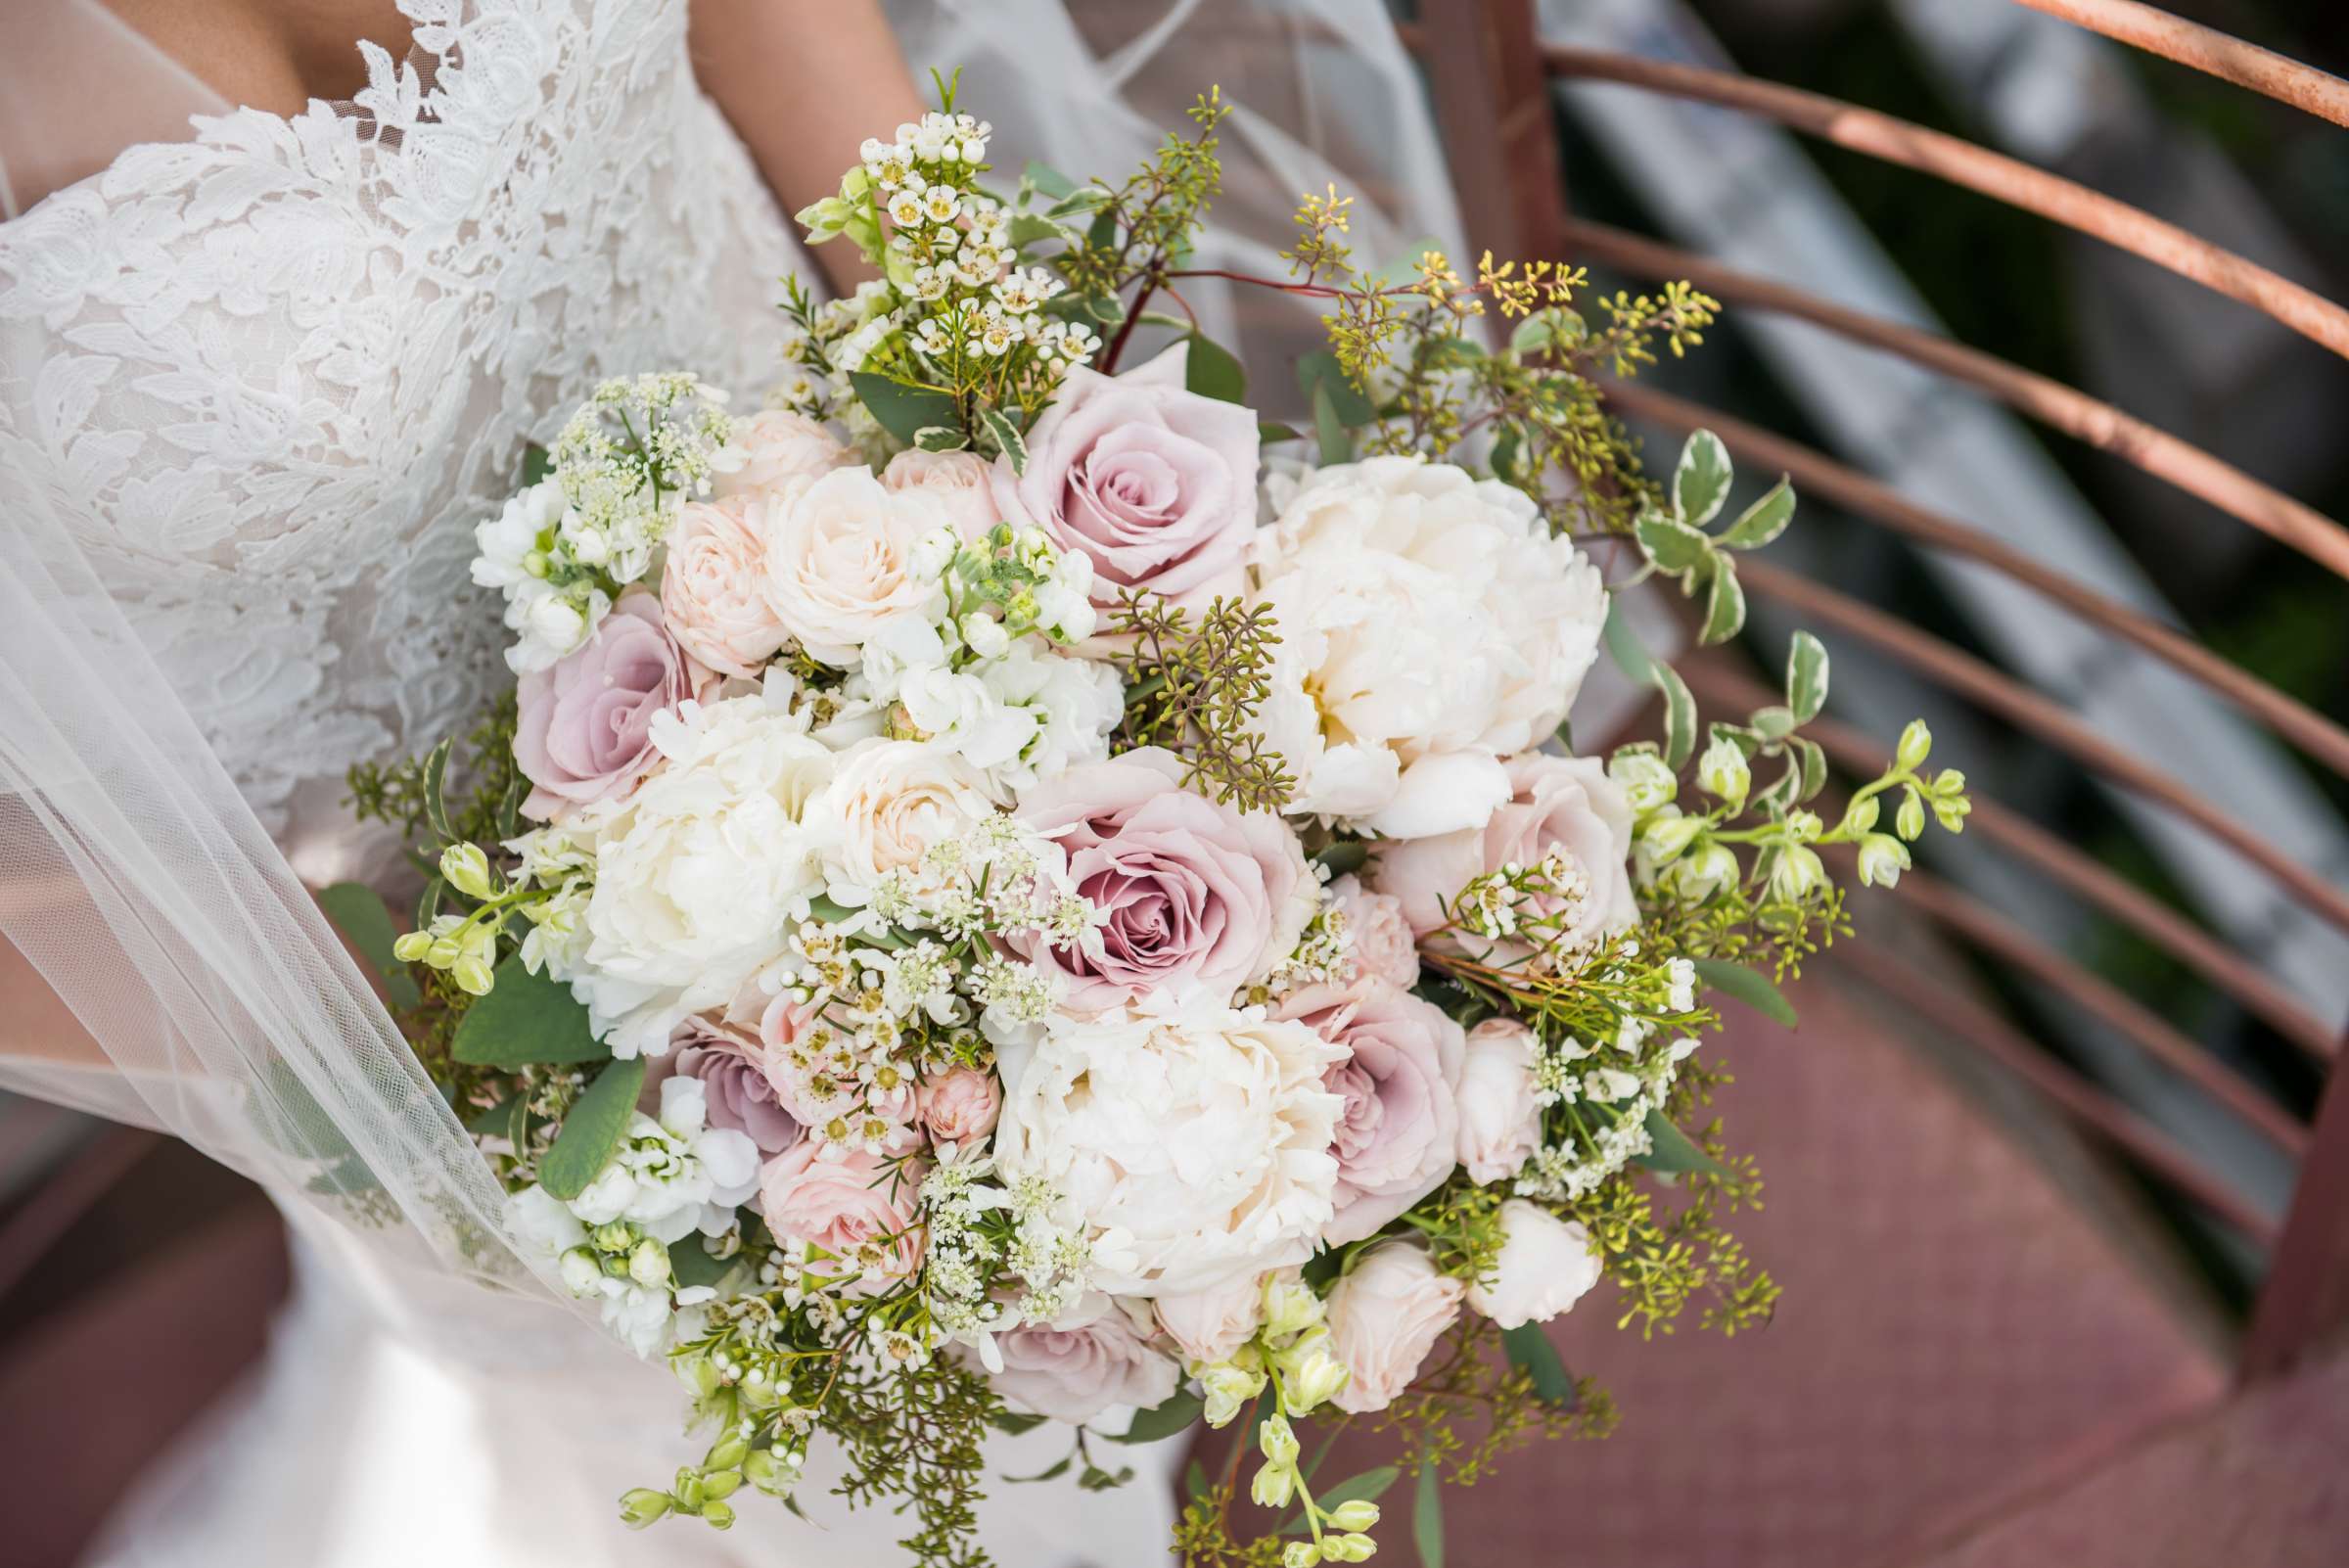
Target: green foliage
[(525, 1020), (1677, 545), (358, 912), (1737, 980), (593, 1128), (1193, 687)]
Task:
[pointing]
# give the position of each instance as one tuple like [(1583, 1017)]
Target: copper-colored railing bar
[(2209, 51), (2052, 404), (1992, 933), (1719, 688), (2304, 1302), (1951, 1008), (1492, 101), (1816, 474), (1977, 168), (2038, 715)]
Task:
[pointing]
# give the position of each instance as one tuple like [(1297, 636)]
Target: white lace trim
[(275, 374)]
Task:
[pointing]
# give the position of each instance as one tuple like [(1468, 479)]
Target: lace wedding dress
[(257, 382)]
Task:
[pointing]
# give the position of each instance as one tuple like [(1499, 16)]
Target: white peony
[(892, 800), (1430, 626), (673, 1175), (1195, 1144), (699, 876), (839, 560), (1545, 1266)]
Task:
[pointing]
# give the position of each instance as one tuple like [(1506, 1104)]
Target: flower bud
[(1916, 743), (984, 635), (1230, 1387), (1724, 772), (759, 1468), (582, 1273), (1290, 1307), (411, 946), (717, 1515), (1278, 1441), (472, 976), (467, 869), (1273, 1486), (1698, 876), (1349, 1548), (1647, 782), (1667, 836), (1797, 874), (1910, 820), (720, 1484), (1353, 1517), (648, 1264), (1312, 1372), (728, 1454), (642, 1506), (1883, 860), (1300, 1554), (1862, 815)]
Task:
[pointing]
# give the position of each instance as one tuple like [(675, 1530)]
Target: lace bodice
[(273, 374)]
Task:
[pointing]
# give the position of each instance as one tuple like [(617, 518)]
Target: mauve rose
[(714, 585), (859, 1208), (1211, 1324), (962, 480), (777, 447), (1195, 892), (1500, 1120), (1096, 1357), (960, 1104), (1556, 802), (1398, 1137), (583, 731), (1382, 940), (1385, 1315), (1156, 485), (734, 1082)]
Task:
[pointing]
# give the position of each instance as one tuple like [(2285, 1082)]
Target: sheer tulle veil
[(138, 883)]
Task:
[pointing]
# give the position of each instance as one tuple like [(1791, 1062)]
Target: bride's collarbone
[(274, 55)]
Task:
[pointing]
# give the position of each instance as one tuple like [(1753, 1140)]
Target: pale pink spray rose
[(735, 1086), (1501, 1122), (1196, 893), (960, 1104), (1211, 1324), (858, 1207), (1381, 937), (1556, 802), (583, 731), (714, 585), (1156, 485), (1385, 1315), (777, 447), (1096, 1357), (962, 480), (1545, 1266), (1399, 1135)]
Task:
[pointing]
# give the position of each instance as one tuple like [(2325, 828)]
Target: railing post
[(1492, 103), (2305, 1297)]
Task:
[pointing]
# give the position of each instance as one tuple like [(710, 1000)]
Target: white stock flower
[(1545, 1266), (1430, 626), (1195, 1144), (673, 1175), (699, 875)]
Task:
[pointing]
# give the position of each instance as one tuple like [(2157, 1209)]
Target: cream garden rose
[(777, 446), (1430, 627), (1195, 1144), (1385, 1315), (1545, 1266), (892, 800), (714, 585), (1500, 1120), (959, 482), (841, 560)]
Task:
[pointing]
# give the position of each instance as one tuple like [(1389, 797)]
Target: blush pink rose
[(1210, 1324), (1156, 485), (1398, 1136), (1500, 1120), (735, 1086), (1567, 803), (1095, 1358), (582, 731), (1382, 940), (777, 447), (960, 1104), (1385, 1315), (714, 585), (1196, 893), (858, 1208), (961, 481)]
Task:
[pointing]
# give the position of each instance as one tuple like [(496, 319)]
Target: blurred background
[(2033, 1155)]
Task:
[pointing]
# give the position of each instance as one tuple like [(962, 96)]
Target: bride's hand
[(803, 83)]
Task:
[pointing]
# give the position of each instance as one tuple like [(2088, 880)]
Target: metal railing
[(1490, 78)]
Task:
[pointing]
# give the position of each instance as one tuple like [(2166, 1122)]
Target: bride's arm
[(804, 83)]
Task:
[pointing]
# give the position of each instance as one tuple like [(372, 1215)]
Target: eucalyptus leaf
[(592, 1130), (1014, 1422), (1209, 370), (1507, 448), (1700, 481), (1806, 677), (1725, 603), (1427, 1517), (358, 912), (1762, 522), (1329, 430), (1671, 1151), (1031, 228), (1104, 230), (1321, 368), (1052, 1474), (536, 464), (689, 1260), (1737, 980), (525, 1020), (1530, 1349), (900, 409), (1345, 855), (1176, 1415), (1047, 180), (1195, 1483), (1269, 431)]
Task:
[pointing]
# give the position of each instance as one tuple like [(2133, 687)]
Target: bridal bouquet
[(1009, 888)]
